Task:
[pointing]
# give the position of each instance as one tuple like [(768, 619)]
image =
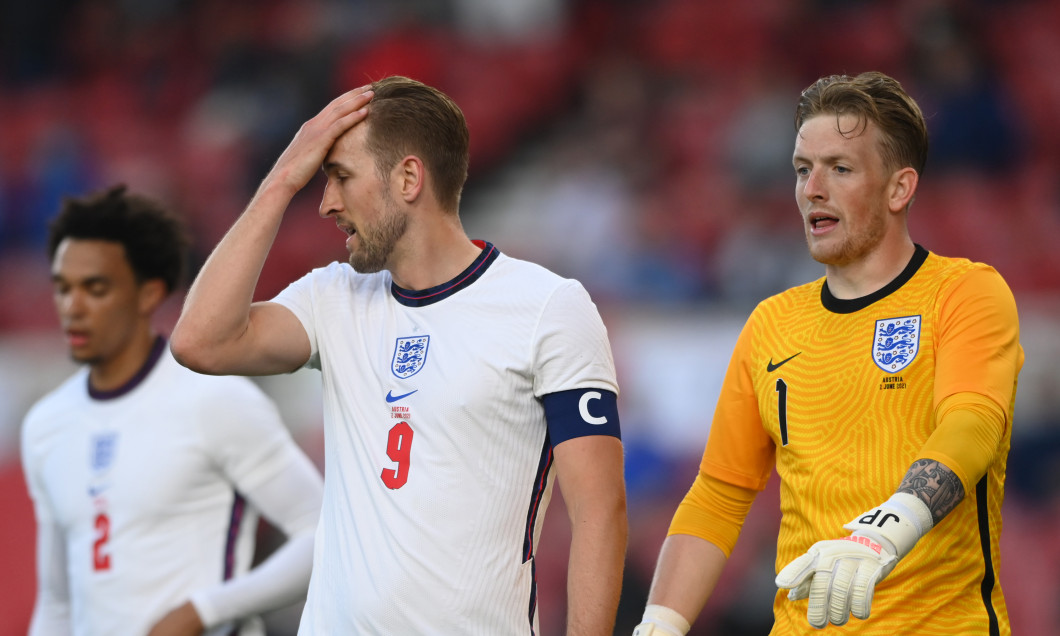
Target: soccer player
[(881, 393), (148, 479), (458, 383)]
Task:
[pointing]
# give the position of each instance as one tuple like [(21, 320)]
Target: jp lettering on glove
[(661, 621), (839, 576)]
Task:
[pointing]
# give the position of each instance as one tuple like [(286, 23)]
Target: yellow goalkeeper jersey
[(840, 396)]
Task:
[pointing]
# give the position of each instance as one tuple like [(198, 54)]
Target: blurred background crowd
[(640, 146)]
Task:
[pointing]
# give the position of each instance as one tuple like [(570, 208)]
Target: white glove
[(661, 621), (839, 576)]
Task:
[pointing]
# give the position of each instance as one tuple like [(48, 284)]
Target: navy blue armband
[(581, 412)]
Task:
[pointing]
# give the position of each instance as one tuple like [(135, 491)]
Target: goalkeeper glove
[(839, 576), (661, 621)]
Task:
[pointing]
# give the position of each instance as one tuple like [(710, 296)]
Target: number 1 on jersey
[(782, 410), (399, 449)]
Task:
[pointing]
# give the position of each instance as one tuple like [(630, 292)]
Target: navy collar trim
[(850, 305), (149, 364), (431, 295)]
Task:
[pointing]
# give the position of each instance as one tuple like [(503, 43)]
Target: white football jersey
[(137, 493), (437, 453)]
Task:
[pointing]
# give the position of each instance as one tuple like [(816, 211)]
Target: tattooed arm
[(936, 485), (966, 441)]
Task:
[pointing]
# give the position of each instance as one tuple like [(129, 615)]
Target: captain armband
[(580, 413)]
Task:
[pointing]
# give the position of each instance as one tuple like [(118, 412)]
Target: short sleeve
[(571, 349), (298, 298)]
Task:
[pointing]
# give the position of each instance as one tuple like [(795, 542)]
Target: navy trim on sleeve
[(581, 412)]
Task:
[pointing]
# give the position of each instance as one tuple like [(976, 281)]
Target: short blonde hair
[(875, 97)]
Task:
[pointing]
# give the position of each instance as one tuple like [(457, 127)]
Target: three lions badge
[(896, 343), (409, 355)]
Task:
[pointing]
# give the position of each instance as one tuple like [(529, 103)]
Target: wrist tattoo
[(934, 484)]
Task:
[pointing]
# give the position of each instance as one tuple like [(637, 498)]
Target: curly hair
[(875, 97), (155, 239)]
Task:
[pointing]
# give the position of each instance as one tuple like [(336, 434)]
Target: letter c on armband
[(583, 408)]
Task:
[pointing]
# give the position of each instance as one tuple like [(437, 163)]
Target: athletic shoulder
[(50, 418), (342, 274), (331, 286), (955, 267), (52, 408), (964, 276), (517, 266), (807, 295), (527, 277)]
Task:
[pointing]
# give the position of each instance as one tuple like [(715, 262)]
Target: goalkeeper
[(882, 394)]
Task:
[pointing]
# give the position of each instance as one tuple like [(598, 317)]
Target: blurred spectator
[(56, 164), (758, 136), (509, 20), (970, 120)]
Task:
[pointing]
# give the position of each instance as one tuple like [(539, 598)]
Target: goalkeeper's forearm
[(688, 570)]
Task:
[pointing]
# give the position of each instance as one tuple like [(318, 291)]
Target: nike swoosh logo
[(390, 397), (770, 368)]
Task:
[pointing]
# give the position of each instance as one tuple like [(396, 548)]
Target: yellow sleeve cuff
[(713, 510)]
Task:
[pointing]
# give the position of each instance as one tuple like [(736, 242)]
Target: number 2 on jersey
[(399, 449), (100, 559)]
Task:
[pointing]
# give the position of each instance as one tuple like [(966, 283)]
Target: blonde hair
[(875, 97)]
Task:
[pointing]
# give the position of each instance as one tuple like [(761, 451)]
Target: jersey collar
[(431, 295), (152, 360), (850, 305)]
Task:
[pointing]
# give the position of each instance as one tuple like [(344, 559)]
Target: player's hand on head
[(839, 576), (306, 152)]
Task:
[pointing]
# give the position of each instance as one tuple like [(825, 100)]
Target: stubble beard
[(851, 248), (376, 246)]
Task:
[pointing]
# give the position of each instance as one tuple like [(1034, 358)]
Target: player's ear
[(410, 178), (152, 293), (902, 188)]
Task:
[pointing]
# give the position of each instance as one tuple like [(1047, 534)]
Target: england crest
[(103, 447), (102, 451), (896, 343), (409, 355)]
